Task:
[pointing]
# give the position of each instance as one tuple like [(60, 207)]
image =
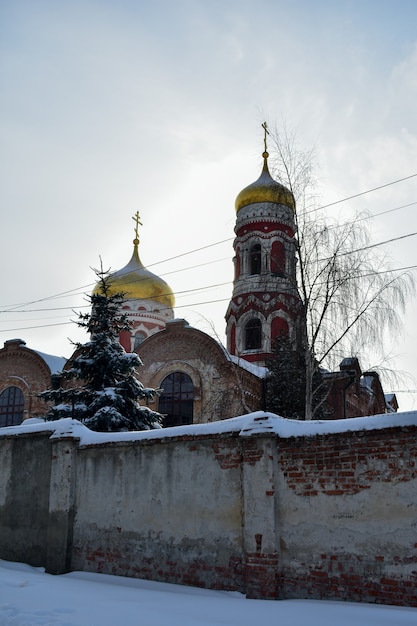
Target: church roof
[(265, 189), (137, 282)]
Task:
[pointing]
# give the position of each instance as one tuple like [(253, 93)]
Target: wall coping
[(258, 423)]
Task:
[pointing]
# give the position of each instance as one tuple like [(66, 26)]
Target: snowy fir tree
[(106, 394), (286, 383)]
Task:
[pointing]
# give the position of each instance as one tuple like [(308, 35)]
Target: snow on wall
[(246, 425)]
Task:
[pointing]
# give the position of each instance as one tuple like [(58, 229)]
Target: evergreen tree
[(105, 394), (286, 383)]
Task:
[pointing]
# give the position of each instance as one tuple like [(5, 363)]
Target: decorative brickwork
[(222, 388), (25, 369), (265, 301)]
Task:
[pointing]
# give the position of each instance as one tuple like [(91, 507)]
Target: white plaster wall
[(160, 504)]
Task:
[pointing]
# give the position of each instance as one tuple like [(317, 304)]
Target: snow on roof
[(366, 382), (349, 361), (257, 370), (246, 425), (55, 363)]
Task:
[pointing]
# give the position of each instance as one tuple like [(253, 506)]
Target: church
[(202, 381)]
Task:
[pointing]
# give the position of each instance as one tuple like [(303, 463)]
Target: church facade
[(201, 380)]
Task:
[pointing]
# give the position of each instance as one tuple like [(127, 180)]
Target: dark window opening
[(253, 335), (278, 259), (279, 328), (255, 259), (237, 264), (177, 400), (12, 404)]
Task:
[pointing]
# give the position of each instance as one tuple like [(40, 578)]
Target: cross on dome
[(265, 189), (266, 132), (137, 221)]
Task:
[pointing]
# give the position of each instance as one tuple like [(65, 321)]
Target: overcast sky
[(112, 107)]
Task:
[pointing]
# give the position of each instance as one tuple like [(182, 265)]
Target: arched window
[(253, 335), (177, 400), (139, 337), (255, 259), (12, 404)]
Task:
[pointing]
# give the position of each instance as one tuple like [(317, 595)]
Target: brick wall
[(340, 465), (348, 515)]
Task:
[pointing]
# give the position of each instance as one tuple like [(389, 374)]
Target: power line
[(375, 245), (193, 267), (63, 294), (61, 308), (213, 286), (206, 302), (181, 306), (179, 293), (36, 319), (210, 245), (70, 292), (394, 270), (12, 330), (365, 217), (75, 292), (362, 193), (370, 216)]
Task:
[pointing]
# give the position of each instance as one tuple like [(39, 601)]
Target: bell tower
[(265, 301)]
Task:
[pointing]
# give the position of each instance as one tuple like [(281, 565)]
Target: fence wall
[(245, 507)]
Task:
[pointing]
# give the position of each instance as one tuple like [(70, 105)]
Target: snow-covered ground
[(29, 597)]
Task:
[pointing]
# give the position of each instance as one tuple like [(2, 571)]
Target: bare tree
[(352, 298)]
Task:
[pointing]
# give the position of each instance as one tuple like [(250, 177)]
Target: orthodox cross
[(266, 132), (137, 221)]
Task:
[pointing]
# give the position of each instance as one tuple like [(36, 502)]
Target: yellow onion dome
[(138, 283), (265, 189)]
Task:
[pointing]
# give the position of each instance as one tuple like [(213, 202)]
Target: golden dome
[(138, 283), (265, 189)]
